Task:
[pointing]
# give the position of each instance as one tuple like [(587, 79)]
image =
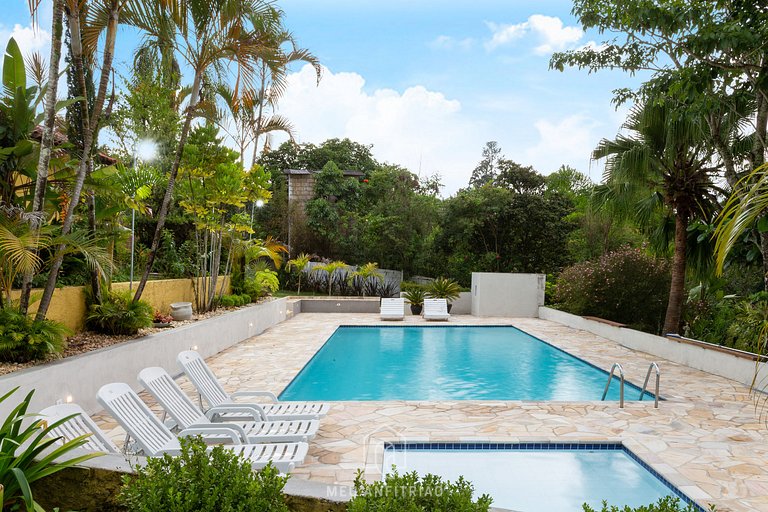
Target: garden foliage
[(203, 480), (626, 286), (666, 504), (118, 313), (23, 339), (411, 493)]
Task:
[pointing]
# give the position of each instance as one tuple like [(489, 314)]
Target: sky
[(427, 83)]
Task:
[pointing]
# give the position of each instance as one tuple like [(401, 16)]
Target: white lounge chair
[(153, 438), (79, 424), (209, 388), (435, 309), (185, 414), (392, 309)]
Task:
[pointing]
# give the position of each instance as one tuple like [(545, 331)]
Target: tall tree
[(487, 170), (663, 163), (205, 33)]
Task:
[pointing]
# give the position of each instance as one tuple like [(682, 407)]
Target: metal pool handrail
[(653, 366), (621, 388)]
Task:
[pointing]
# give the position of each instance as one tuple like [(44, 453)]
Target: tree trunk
[(88, 141), (78, 69), (677, 287), (262, 91), (165, 206), (46, 144)]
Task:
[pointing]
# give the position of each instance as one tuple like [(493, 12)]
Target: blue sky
[(429, 82)]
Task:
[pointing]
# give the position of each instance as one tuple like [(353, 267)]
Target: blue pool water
[(447, 363), (541, 477)]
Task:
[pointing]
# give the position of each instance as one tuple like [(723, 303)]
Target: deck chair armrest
[(211, 429), (253, 410), (268, 394)]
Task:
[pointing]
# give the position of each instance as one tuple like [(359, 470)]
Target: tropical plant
[(203, 480), (411, 493), (299, 263), (662, 168), (262, 283), (24, 339), (414, 296), (29, 451), (330, 268), (204, 33), (119, 314), (442, 288), (366, 273)]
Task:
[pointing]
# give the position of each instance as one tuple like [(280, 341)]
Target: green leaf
[(762, 224), (14, 73)]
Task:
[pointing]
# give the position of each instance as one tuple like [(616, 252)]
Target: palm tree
[(205, 33), (299, 263), (102, 16), (662, 165), (365, 273), (330, 268)]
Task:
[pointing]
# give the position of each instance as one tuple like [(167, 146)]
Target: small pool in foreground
[(539, 477), (447, 363)]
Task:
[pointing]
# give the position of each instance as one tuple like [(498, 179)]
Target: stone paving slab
[(706, 437)]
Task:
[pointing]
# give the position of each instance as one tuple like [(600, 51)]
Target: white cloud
[(416, 128), (550, 32), (30, 39), (567, 141), (449, 43)]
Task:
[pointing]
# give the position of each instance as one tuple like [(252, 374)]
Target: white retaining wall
[(80, 377), (508, 295), (731, 364)]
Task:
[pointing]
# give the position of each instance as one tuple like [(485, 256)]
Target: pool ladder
[(653, 367)]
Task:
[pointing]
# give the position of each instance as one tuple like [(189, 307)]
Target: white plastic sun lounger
[(153, 438), (185, 413), (436, 309), (209, 388), (79, 424), (392, 308)]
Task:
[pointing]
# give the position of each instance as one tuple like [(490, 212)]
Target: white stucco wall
[(80, 377), (508, 295), (736, 365)]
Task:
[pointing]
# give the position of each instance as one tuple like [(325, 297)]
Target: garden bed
[(88, 341)]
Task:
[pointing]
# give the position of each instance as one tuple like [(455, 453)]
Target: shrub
[(410, 493), (23, 441), (160, 318), (23, 339), (119, 314), (203, 481), (245, 299), (410, 285), (414, 296), (666, 504), (626, 286), (228, 301), (261, 284), (442, 288)]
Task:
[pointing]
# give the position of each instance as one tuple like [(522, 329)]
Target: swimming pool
[(539, 477), (447, 363)]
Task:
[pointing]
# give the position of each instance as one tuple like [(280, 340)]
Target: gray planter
[(181, 311)]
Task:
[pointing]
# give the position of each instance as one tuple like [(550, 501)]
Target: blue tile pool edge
[(317, 352), (547, 445)]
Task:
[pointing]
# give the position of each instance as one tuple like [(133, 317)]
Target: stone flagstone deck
[(706, 438)]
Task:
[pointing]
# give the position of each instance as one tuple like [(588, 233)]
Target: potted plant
[(160, 320), (415, 297), (442, 288)]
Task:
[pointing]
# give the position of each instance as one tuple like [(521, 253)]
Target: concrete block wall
[(507, 295)]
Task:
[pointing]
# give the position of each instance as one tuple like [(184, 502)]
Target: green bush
[(228, 301), (23, 339), (245, 299), (199, 480), (626, 286), (410, 493), (119, 314), (666, 504), (261, 284), (406, 286), (23, 441), (442, 288)]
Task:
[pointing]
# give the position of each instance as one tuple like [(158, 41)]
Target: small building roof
[(304, 172)]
